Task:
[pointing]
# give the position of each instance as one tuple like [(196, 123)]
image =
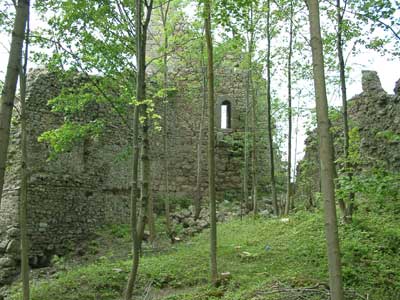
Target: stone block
[(6, 262), (13, 247), (3, 246)]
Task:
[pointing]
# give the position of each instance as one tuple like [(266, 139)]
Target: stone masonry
[(70, 196), (373, 112)]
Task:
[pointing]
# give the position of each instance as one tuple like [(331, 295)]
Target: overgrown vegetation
[(121, 42), (256, 253)]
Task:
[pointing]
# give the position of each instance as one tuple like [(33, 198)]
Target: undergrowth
[(256, 253)]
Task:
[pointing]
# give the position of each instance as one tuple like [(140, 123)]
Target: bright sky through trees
[(388, 71)]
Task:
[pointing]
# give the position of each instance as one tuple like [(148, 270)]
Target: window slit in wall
[(226, 115)]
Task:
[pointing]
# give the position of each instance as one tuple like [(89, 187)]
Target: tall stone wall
[(68, 197), (71, 195), (373, 112), (185, 119)]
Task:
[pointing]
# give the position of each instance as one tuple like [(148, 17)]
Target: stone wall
[(373, 112), (70, 196), (184, 118)]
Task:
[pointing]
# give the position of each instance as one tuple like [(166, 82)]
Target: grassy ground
[(258, 254)]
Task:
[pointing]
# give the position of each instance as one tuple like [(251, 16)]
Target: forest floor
[(258, 258)]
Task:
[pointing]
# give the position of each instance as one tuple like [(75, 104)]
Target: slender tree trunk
[(295, 156), (289, 166), (253, 116), (197, 204), (211, 143), (145, 152), (145, 199), (141, 37), (142, 220), (10, 83), (270, 131), (246, 145), (166, 176), (134, 220), (254, 149), (326, 155), (164, 17), (151, 218), (346, 211), (145, 128), (166, 173), (24, 176)]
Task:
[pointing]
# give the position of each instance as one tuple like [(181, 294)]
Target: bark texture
[(269, 112), (10, 83), (197, 203), (347, 211), (288, 203), (24, 176), (141, 37), (326, 154), (211, 143), (164, 16)]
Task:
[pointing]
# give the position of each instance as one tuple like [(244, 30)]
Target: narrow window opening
[(225, 115)]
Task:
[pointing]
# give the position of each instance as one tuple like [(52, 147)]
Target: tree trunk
[(134, 220), (164, 17), (294, 191), (246, 145), (24, 175), (197, 204), (211, 144), (141, 37), (346, 211), (254, 149), (10, 83), (289, 166), (151, 218), (269, 112), (145, 151), (326, 154), (253, 115)]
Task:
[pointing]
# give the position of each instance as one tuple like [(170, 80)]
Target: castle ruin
[(73, 194)]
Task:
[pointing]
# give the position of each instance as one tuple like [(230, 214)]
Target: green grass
[(295, 256)]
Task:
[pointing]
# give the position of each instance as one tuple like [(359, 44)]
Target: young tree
[(211, 143), (24, 174), (250, 87), (197, 204), (164, 10), (10, 83), (289, 77), (141, 38), (245, 16), (269, 113), (326, 154), (347, 211)]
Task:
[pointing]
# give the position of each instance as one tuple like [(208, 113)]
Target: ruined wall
[(71, 195), (68, 197), (184, 118), (374, 113)]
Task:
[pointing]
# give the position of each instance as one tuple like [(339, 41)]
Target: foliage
[(389, 136), (382, 23), (375, 183), (91, 35), (63, 139), (7, 14), (376, 188)]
